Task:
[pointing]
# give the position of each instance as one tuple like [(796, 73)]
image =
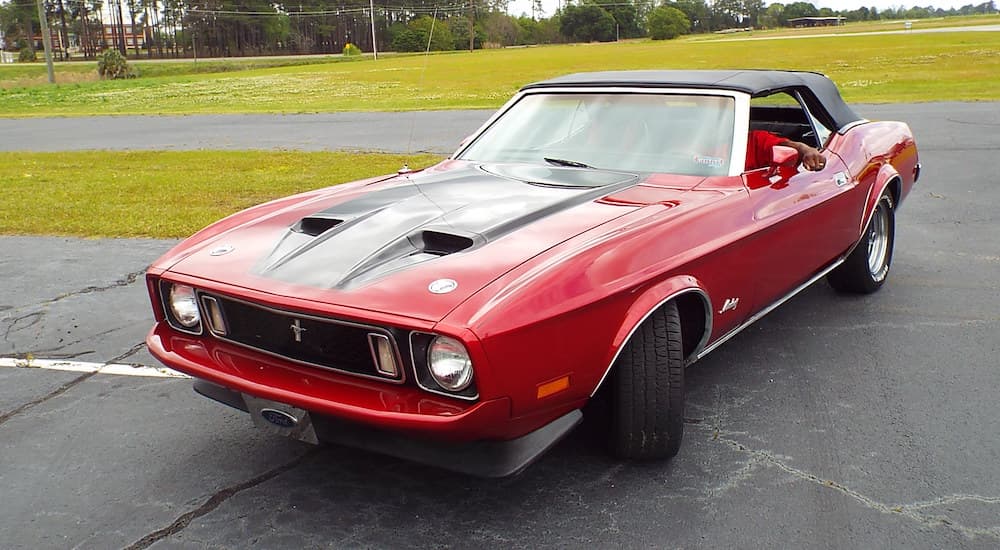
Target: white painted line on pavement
[(80, 366)]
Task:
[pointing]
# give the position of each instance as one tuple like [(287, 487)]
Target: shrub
[(667, 23), (111, 65), (27, 55), (407, 40), (414, 35), (351, 49), (587, 23)]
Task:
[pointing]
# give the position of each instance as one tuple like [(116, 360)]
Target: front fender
[(649, 300)]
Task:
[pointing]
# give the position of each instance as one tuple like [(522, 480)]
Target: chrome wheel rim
[(878, 243)]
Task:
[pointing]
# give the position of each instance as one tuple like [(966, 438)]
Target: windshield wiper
[(564, 162)]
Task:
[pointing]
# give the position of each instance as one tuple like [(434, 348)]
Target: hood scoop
[(315, 226), (440, 244)]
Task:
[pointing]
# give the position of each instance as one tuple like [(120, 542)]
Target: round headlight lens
[(184, 305), (449, 363)]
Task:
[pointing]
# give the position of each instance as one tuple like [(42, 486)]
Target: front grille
[(327, 343)]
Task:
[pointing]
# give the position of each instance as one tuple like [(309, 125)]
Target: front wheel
[(867, 267), (647, 390)]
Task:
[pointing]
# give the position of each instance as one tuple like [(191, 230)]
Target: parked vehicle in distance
[(596, 236)]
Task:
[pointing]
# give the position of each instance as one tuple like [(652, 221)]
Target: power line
[(447, 8), (339, 11)]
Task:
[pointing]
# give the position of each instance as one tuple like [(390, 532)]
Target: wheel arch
[(888, 179), (693, 306)]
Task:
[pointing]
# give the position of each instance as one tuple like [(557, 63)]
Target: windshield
[(664, 133)]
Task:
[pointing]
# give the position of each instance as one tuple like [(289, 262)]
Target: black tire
[(867, 267), (647, 390)]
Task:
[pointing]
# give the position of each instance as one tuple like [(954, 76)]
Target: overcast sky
[(517, 7)]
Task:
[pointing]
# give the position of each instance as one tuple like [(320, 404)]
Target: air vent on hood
[(442, 244), (315, 225)]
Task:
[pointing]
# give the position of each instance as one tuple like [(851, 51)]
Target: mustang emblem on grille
[(297, 330)]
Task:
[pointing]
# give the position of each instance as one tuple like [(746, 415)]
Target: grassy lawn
[(24, 75), (959, 66), (163, 194)]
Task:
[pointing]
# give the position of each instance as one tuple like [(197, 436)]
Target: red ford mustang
[(597, 235)]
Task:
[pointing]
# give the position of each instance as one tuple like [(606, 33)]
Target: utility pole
[(63, 35), (371, 4), (472, 26), (46, 41), (121, 28)]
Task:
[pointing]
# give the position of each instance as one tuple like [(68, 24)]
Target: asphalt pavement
[(415, 132), (834, 422)]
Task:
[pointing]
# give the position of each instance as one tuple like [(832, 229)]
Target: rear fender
[(649, 300), (888, 179)]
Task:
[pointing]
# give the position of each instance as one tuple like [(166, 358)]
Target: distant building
[(57, 42), (132, 39), (99, 39), (817, 21)]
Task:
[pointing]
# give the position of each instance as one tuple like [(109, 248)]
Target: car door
[(805, 220)]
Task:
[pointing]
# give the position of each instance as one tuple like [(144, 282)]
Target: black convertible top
[(818, 91)]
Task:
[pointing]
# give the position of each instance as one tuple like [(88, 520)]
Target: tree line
[(230, 28)]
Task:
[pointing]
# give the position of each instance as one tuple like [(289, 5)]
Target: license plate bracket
[(281, 419)]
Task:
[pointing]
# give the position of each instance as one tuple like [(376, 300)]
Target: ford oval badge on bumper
[(280, 419)]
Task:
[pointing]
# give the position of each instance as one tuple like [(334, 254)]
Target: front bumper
[(372, 402), (480, 438), (478, 458)]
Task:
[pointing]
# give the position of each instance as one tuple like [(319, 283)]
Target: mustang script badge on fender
[(731, 303)]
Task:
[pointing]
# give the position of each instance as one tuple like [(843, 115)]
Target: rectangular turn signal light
[(553, 387)]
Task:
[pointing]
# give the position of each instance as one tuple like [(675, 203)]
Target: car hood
[(414, 245)]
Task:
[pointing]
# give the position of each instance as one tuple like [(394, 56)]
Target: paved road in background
[(913, 30), (835, 422), (429, 131)]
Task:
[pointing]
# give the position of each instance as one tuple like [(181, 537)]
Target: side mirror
[(782, 155)]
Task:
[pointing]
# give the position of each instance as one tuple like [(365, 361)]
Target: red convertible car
[(597, 235)]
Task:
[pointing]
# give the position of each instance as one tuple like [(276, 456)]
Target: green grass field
[(958, 66), (26, 75), (163, 194)]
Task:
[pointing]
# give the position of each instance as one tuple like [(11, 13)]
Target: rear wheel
[(867, 267), (647, 390)]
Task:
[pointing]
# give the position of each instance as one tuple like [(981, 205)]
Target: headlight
[(449, 363), (184, 305)]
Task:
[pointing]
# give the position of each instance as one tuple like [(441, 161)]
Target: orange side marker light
[(553, 387)]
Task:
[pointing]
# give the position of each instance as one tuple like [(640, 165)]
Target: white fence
[(6, 57)]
